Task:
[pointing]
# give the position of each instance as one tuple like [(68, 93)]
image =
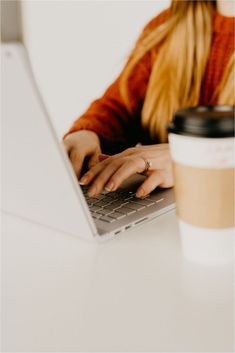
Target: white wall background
[(78, 47)]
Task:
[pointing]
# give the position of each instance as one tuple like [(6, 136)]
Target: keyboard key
[(125, 192), (109, 207), (117, 215), (126, 211), (135, 206), (95, 215), (144, 202), (117, 204), (100, 197), (154, 198), (102, 203), (104, 211), (113, 196), (91, 201), (126, 196), (95, 208), (107, 219), (108, 199)]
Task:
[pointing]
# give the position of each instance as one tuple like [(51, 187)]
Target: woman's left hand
[(112, 171)]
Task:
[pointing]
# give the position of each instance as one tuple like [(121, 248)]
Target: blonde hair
[(183, 44)]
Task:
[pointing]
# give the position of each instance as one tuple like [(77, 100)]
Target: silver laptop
[(37, 177)]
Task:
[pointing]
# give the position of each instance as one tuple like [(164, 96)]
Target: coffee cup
[(202, 149)]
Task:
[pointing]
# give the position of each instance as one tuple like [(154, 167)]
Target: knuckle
[(140, 159), (128, 159), (132, 162), (130, 150), (105, 162), (115, 163), (140, 164)]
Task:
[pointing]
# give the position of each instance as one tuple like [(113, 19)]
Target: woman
[(184, 57)]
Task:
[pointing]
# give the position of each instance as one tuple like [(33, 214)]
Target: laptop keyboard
[(113, 206)]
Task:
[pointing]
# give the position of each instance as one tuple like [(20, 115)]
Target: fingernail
[(109, 186), (91, 192), (84, 180), (139, 193)]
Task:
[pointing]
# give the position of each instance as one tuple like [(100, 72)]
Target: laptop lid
[(38, 181)]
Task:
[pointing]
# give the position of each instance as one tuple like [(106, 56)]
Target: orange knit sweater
[(108, 116)]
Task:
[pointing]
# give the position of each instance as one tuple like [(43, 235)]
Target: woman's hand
[(112, 171), (80, 145)]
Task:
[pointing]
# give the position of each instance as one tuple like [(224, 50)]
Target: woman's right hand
[(80, 145)]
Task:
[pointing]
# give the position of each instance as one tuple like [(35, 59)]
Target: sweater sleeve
[(109, 117)]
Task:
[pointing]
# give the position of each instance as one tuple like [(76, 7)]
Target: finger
[(103, 177), (103, 156), (77, 160), (94, 159), (150, 183), (129, 168), (92, 173)]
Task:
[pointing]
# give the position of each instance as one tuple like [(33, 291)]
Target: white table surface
[(133, 293)]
